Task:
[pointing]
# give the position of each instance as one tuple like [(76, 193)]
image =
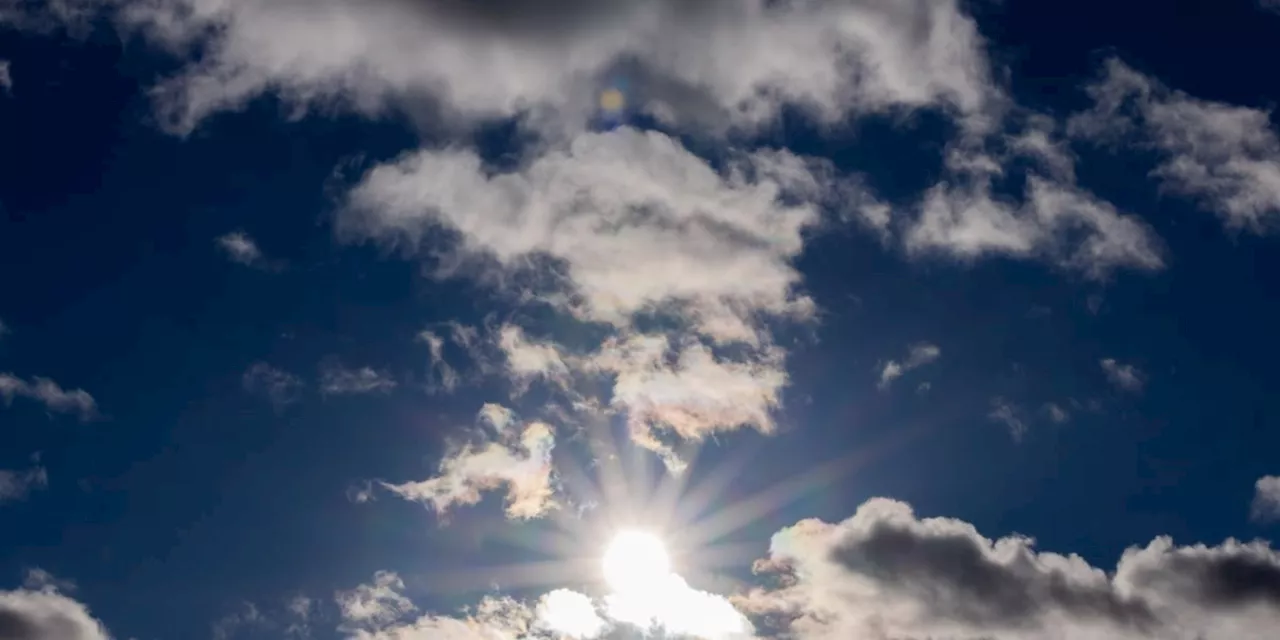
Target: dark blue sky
[(187, 493)]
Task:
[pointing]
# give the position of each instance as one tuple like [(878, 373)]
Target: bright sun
[(636, 562)]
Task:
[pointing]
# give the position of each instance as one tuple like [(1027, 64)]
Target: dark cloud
[(1230, 576), (886, 574), (960, 579), (548, 17)]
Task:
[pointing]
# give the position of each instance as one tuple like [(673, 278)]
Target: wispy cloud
[(49, 393), (6, 80), (17, 485), (1009, 415), (280, 387), (1125, 376), (918, 355), (1226, 157), (338, 380)]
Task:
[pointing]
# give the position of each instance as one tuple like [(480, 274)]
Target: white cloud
[(1056, 222), (49, 393), (714, 61), (918, 355), (520, 463), (1009, 415), (1266, 499), (640, 227), (337, 380), (373, 605), (686, 390), (280, 387), (45, 614), (17, 485), (1226, 157), (885, 573), (1125, 376), (569, 614), (241, 248)]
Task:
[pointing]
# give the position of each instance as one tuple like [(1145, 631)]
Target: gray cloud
[(280, 387), (1266, 499), (885, 573), (338, 380), (1125, 376), (17, 485)]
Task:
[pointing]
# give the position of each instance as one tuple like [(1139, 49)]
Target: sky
[(673, 319)]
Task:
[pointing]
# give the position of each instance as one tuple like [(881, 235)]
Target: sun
[(636, 562)]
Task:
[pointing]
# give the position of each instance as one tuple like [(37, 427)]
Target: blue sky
[(919, 319)]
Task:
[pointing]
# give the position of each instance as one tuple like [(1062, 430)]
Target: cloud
[(374, 605), (1009, 415), (520, 463), (918, 355), (1269, 5), (1056, 413), (45, 614), (6, 80), (337, 380), (280, 387), (569, 614), (49, 393), (17, 485), (1055, 222), (637, 227), (4, 329), (1124, 376), (241, 248), (1226, 157), (715, 61), (229, 626), (886, 573), (1266, 499)]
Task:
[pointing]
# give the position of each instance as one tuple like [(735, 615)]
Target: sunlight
[(636, 563)]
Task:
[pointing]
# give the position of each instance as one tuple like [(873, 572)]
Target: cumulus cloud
[(519, 462), (712, 61), (1010, 415), (49, 393), (280, 387), (886, 573), (43, 613), (1266, 499), (638, 227), (1124, 376), (17, 485), (338, 380), (918, 355), (1224, 156)]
